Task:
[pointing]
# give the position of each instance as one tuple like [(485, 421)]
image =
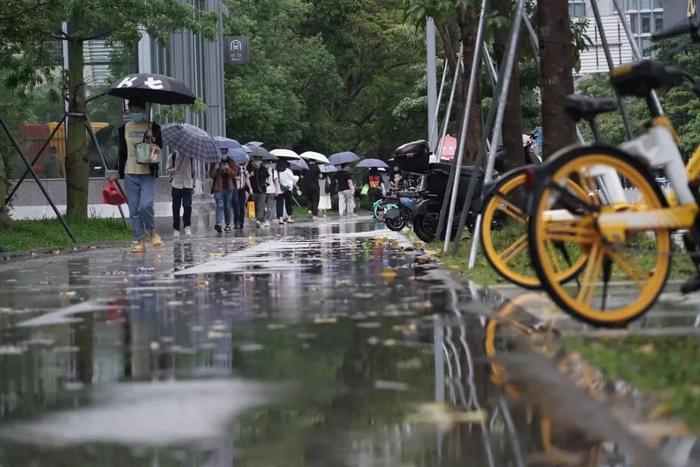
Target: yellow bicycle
[(622, 222)]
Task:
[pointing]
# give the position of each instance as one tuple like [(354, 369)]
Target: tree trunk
[(468, 23), (556, 61), (513, 121), (77, 167)]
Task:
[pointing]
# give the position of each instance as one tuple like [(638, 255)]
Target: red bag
[(112, 195)]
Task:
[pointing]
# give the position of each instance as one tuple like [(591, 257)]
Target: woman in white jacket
[(284, 200)]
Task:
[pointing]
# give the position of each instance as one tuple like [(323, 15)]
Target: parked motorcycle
[(414, 157)]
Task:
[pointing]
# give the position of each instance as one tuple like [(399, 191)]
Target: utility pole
[(432, 81)]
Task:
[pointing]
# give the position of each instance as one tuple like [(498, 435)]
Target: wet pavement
[(321, 344)]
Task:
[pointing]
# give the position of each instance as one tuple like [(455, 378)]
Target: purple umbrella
[(372, 164), (343, 158)]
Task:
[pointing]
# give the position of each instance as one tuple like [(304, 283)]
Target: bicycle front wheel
[(620, 279)]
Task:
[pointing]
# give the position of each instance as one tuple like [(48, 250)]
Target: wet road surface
[(309, 345)]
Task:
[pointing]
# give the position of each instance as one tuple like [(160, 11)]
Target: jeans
[(260, 199), (349, 198), (140, 190), (238, 203), (182, 197), (284, 201), (313, 197), (223, 206)]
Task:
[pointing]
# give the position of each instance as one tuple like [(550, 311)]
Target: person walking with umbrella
[(180, 167), (311, 187), (287, 182), (223, 175), (346, 189), (140, 142), (258, 182), (272, 191), (239, 199)]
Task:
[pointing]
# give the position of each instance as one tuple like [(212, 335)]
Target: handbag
[(147, 152), (112, 195), (365, 190)]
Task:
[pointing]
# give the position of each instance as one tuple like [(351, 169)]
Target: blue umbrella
[(235, 150), (343, 158), (298, 164), (192, 141)]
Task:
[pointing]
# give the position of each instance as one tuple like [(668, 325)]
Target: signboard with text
[(236, 50)]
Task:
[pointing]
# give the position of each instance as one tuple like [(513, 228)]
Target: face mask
[(138, 117)]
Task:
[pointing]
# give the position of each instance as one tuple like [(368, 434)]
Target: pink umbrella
[(449, 147)]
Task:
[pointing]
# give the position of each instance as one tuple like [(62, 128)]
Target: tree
[(556, 65), (314, 84), (35, 26)]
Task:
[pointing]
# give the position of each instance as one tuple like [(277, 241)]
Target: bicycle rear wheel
[(504, 233), (620, 280)]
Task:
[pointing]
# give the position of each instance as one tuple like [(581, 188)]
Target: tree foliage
[(325, 75), (33, 34), (680, 103)]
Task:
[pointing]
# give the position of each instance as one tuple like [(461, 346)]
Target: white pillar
[(432, 80)]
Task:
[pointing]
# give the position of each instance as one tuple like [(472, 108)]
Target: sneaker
[(266, 224), (281, 221), (290, 220), (156, 241), (313, 218), (227, 228), (138, 247), (258, 224), (217, 227), (188, 231), (176, 233)]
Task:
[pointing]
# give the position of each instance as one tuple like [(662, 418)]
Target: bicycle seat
[(580, 106), (640, 78)]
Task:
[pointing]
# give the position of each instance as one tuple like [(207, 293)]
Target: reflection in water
[(384, 371)]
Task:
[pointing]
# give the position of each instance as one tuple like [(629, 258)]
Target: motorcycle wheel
[(396, 223), (425, 224)]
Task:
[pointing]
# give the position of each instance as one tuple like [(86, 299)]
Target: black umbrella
[(259, 151), (149, 87)]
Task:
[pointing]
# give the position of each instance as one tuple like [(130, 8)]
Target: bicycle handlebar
[(692, 27)]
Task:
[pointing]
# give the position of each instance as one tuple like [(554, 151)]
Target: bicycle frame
[(658, 148)]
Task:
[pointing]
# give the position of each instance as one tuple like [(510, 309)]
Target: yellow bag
[(251, 209)]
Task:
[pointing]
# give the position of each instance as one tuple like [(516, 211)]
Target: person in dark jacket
[(258, 182), (223, 175), (311, 187), (140, 179)]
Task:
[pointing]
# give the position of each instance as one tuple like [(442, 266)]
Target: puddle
[(314, 347)]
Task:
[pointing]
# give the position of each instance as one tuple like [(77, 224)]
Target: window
[(634, 23), (658, 22), (645, 23), (577, 8), (645, 4), (658, 4), (645, 46), (631, 5)]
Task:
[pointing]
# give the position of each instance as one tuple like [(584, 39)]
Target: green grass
[(681, 265), (482, 273), (25, 235), (667, 368)]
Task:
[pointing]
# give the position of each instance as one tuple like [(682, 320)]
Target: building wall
[(676, 11), (644, 17)]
